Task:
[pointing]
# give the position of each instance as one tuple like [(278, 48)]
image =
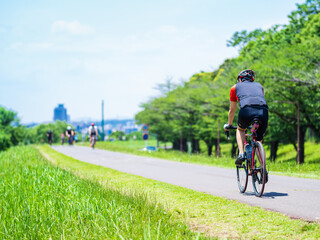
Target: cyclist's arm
[(233, 104), (232, 112)]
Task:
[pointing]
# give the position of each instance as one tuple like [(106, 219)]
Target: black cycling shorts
[(249, 113)]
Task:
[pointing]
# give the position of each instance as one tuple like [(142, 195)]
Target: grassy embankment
[(41, 201), (215, 216), (285, 164)]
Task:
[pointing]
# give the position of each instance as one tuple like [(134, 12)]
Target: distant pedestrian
[(49, 135), (73, 134), (62, 138)]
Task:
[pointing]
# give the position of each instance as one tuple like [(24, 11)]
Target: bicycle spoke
[(259, 174), (242, 177)]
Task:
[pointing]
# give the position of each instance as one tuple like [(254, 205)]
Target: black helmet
[(246, 75)]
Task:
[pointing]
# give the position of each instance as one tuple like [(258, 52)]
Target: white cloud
[(73, 27), (16, 45), (166, 29), (3, 30), (40, 46)]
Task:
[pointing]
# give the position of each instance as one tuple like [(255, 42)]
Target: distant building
[(60, 113)]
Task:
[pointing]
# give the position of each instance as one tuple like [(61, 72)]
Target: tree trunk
[(195, 146), (216, 148), (209, 147), (176, 144), (273, 150), (303, 131)]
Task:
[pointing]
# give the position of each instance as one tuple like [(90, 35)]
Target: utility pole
[(181, 147), (218, 139), (298, 132), (102, 121)]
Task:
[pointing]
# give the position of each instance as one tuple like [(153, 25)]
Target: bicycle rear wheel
[(92, 143), (259, 172), (242, 177)]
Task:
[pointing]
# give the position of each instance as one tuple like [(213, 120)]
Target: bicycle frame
[(253, 136), (255, 168)]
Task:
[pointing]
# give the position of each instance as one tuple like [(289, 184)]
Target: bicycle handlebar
[(228, 132)]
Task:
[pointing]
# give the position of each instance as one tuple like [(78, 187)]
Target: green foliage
[(117, 135), (11, 132), (135, 135), (286, 60), (243, 37), (38, 134)]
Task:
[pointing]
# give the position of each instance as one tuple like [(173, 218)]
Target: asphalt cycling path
[(295, 197)]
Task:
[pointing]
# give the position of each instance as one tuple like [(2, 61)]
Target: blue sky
[(80, 52)]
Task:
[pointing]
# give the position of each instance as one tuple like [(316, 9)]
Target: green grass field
[(41, 201), (64, 198), (214, 216), (285, 164)]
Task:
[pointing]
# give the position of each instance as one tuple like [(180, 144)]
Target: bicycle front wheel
[(242, 177), (259, 171)]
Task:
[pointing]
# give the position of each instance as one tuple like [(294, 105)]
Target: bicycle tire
[(93, 142), (242, 177), (259, 171)]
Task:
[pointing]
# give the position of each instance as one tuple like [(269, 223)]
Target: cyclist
[(62, 138), (93, 133), (49, 135), (69, 135), (252, 106)]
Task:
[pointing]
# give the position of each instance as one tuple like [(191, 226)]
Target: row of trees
[(38, 134), (11, 133), (286, 59)]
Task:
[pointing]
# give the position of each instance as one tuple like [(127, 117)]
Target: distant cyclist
[(252, 105), (49, 135), (93, 133), (69, 135), (62, 138)]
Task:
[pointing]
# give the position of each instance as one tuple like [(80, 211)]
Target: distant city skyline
[(79, 53)]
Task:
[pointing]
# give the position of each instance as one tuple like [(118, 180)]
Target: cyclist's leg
[(244, 119), (263, 117), (243, 124), (240, 139)]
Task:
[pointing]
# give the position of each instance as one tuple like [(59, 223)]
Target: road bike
[(254, 164), (93, 141)]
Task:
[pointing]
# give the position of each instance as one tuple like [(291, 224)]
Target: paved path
[(296, 197)]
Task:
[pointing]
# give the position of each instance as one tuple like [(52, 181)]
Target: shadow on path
[(274, 194), (268, 194)]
